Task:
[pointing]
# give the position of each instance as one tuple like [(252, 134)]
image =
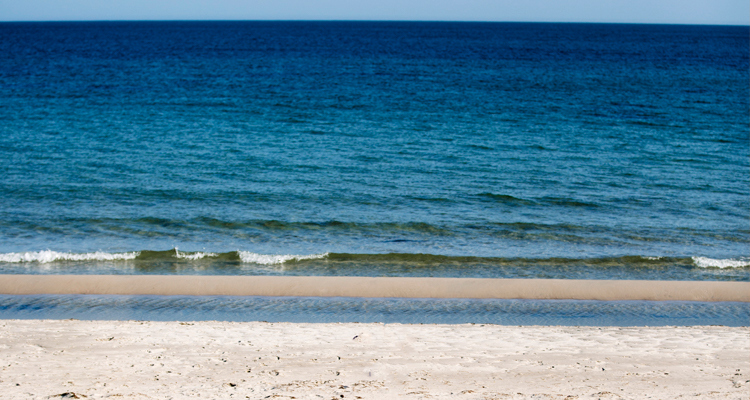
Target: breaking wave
[(705, 262), (193, 256), (269, 259), (412, 259), (48, 256)]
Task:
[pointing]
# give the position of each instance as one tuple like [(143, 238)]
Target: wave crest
[(248, 257), (48, 256), (705, 262), (193, 256), (270, 259)]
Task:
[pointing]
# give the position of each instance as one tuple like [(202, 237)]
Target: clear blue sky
[(735, 12)]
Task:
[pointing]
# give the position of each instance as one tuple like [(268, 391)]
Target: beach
[(373, 209), (148, 359)]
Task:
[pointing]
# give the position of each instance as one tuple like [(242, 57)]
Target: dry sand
[(258, 360)]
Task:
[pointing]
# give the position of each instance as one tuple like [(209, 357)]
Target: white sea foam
[(48, 256), (194, 256), (270, 259), (705, 262)]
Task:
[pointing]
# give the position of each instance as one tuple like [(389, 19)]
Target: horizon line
[(382, 20)]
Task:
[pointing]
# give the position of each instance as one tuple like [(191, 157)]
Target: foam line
[(344, 286)]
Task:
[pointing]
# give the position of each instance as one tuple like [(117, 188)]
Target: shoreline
[(146, 359), (377, 287)]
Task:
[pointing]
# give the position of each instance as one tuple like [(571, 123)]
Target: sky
[(732, 12)]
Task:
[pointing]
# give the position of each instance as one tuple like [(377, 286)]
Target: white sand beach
[(41, 359)]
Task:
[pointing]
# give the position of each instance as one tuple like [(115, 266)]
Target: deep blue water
[(514, 150)]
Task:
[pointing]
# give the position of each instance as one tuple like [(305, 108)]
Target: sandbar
[(403, 287)]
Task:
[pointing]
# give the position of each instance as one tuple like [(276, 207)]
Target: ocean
[(503, 150)]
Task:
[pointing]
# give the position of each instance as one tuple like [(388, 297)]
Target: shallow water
[(428, 311)]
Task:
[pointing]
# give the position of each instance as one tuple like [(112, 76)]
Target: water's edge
[(367, 310)]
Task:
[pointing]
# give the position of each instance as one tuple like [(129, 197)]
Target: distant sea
[(509, 150)]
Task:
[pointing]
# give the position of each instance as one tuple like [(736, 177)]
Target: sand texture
[(347, 286), (258, 360)]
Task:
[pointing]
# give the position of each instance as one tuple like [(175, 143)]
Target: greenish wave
[(410, 259)]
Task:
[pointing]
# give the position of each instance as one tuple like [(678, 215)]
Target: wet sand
[(341, 286), (157, 360)]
